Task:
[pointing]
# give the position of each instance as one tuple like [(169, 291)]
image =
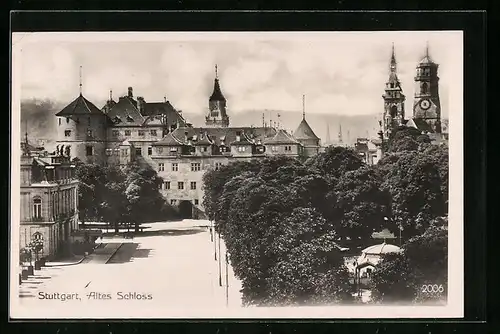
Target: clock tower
[(426, 106), (394, 99), (217, 113)]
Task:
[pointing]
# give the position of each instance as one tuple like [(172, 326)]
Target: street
[(170, 267)]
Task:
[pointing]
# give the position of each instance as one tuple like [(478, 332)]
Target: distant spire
[(328, 133), (111, 95), (393, 65), (427, 49), (263, 120), (165, 98), (340, 133), (26, 132), (216, 74), (80, 80), (303, 107)]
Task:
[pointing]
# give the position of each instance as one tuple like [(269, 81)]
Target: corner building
[(158, 134)]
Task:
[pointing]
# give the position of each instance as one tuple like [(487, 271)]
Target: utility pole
[(215, 247)]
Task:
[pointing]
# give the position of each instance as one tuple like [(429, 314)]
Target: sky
[(339, 72)]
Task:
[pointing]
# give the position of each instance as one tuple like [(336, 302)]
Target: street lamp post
[(215, 248), (211, 231), (220, 270)]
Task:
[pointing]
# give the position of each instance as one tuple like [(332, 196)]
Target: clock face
[(425, 104)]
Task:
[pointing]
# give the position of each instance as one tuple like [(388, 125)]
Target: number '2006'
[(432, 288)]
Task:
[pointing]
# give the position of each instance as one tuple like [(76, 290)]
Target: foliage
[(407, 139), (121, 196), (334, 162), (400, 277)]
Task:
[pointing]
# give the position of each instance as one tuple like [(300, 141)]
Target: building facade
[(157, 133), (48, 202)]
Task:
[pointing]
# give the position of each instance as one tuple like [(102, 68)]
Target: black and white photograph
[(237, 175)]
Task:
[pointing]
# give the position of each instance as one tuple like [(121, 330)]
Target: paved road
[(171, 262)]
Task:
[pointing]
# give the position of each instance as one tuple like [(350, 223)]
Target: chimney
[(140, 103), (130, 92)]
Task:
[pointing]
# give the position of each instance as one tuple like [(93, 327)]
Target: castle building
[(48, 201), (156, 133)]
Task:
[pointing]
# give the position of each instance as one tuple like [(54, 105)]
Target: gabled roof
[(80, 106), (304, 131), (227, 136), (125, 113), (169, 140), (420, 124), (281, 137), (217, 93), (203, 139), (152, 110)]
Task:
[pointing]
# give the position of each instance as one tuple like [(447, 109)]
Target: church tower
[(394, 99), (217, 113), (426, 106)]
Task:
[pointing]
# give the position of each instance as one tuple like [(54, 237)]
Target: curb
[(113, 254), (67, 264)]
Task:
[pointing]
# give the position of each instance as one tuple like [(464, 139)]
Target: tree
[(407, 139), (361, 204), (400, 277), (92, 179), (142, 192), (334, 162), (114, 201)]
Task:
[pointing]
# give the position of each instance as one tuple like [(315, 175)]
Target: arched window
[(394, 111), (425, 88), (37, 207)]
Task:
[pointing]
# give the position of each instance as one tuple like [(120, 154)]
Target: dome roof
[(379, 249)]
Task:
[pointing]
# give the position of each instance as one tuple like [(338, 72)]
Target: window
[(89, 150), (130, 119), (425, 88), (195, 166), (241, 148), (167, 185), (59, 121), (127, 133), (138, 151), (37, 207), (175, 167), (141, 133), (89, 133), (193, 185), (218, 165), (67, 119), (89, 120), (196, 202), (180, 185), (67, 133), (173, 149), (274, 148), (153, 133), (173, 202), (150, 150), (159, 150), (288, 148), (115, 133), (204, 149), (161, 167), (160, 186)]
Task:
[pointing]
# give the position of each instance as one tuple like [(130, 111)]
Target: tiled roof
[(281, 137), (304, 131), (80, 106), (217, 93), (222, 136), (422, 125), (169, 140), (203, 139), (152, 109), (125, 113)]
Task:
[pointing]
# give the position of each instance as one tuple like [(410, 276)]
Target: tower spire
[(393, 65), (111, 95), (328, 134), (80, 79), (216, 74), (427, 49), (340, 133), (303, 107)]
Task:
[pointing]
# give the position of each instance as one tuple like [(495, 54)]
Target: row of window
[(128, 133), (67, 133), (77, 120), (180, 185), (275, 148), (174, 202), (195, 166)]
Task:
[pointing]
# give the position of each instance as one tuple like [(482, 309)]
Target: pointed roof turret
[(217, 93), (80, 106), (393, 66), (427, 60), (304, 131)]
